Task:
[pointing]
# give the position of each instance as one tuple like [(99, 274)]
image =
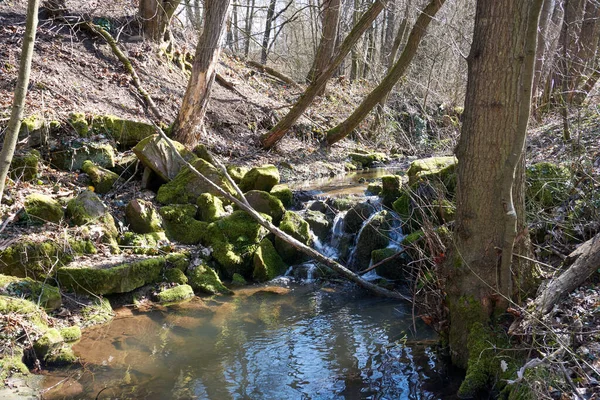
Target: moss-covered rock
[(390, 189), (145, 243), (204, 279), (547, 184), (87, 208), (44, 294), (175, 275), (234, 240), (318, 222), (11, 364), (142, 217), (180, 225), (295, 226), (439, 168), (33, 314), (180, 260), (357, 215), (78, 121), (127, 133), (25, 166), (373, 189), (42, 208), (238, 280), (260, 178), (175, 295), (72, 157), (210, 208), (374, 235), (391, 269), (264, 203), (284, 194), (267, 262), (97, 312), (157, 155), (186, 187), (50, 341), (71, 334), (63, 355), (236, 173), (108, 279), (367, 160), (102, 179)]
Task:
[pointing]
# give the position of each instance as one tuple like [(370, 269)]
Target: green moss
[(210, 208), (344, 203), (547, 184), (181, 260), (284, 194), (12, 364), (31, 124), (63, 355), (32, 312), (204, 279), (46, 295), (102, 179), (176, 294), (143, 217), (264, 203), (267, 263), (236, 173), (412, 238), (96, 313), (261, 178), (350, 167), (180, 224), (42, 208), (79, 122), (390, 189), (71, 333), (175, 275), (295, 226), (148, 243), (367, 159), (438, 168), (318, 223), (122, 278), (238, 280), (374, 189), (127, 133), (73, 157), (25, 167), (85, 208), (48, 342)]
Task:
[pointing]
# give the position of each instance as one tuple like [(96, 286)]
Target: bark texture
[(156, 17), (331, 21), (189, 122)]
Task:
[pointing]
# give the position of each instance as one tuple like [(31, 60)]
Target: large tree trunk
[(284, 125), (16, 116), (387, 84), (331, 21), (267, 34), (248, 29), (156, 17), (388, 39), (189, 122), (479, 280)]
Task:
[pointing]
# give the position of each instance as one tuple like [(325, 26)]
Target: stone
[(439, 168), (142, 217), (152, 243), (78, 121), (87, 208), (102, 179), (357, 215), (204, 279), (72, 157), (44, 294), (392, 269), (71, 333), (126, 165), (154, 153), (42, 208), (236, 173), (367, 160), (175, 295), (267, 262), (50, 341), (260, 178), (127, 133), (264, 203), (547, 184), (320, 206), (295, 226), (180, 223), (374, 235), (98, 311), (25, 166), (202, 152), (284, 194), (187, 186), (210, 208), (238, 280), (373, 189), (319, 223), (390, 189), (175, 275)]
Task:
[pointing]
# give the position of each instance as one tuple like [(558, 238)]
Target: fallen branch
[(585, 261), (243, 204), (273, 72), (390, 258)]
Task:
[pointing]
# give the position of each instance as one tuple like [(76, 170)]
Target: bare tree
[(331, 21), (156, 18)]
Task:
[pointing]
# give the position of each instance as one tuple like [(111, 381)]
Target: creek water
[(282, 340)]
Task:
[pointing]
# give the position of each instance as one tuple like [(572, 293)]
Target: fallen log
[(584, 261), (274, 73)]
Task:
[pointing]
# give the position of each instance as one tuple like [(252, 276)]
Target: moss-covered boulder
[(44, 294), (157, 155), (175, 295), (267, 262), (210, 208), (319, 223), (120, 277), (204, 279), (145, 243), (264, 203), (295, 226), (32, 125), (87, 208), (234, 240), (373, 189), (392, 269), (547, 184), (374, 235), (180, 223), (357, 215), (367, 160), (52, 349), (25, 166), (72, 157), (236, 173), (238, 280), (42, 208), (78, 121), (284, 194), (439, 168), (102, 179), (142, 217), (260, 178), (390, 189), (127, 133), (71, 334), (12, 363), (174, 275), (186, 187), (32, 313)]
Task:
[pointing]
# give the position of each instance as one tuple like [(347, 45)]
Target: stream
[(287, 339)]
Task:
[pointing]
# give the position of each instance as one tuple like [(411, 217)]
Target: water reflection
[(308, 344)]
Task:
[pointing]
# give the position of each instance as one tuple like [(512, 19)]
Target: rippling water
[(262, 343)]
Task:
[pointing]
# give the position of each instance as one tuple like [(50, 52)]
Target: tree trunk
[(355, 65), (331, 21), (284, 125), (189, 122), (545, 17), (588, 46), (249, 19), (267, 34), (387, 84), (156, 17), (388, 39), (16, 116), (497, 106)]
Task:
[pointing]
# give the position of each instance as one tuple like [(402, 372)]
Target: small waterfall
[(338, 229), (352, 257)]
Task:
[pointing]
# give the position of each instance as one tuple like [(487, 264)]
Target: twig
[(390, 258)]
